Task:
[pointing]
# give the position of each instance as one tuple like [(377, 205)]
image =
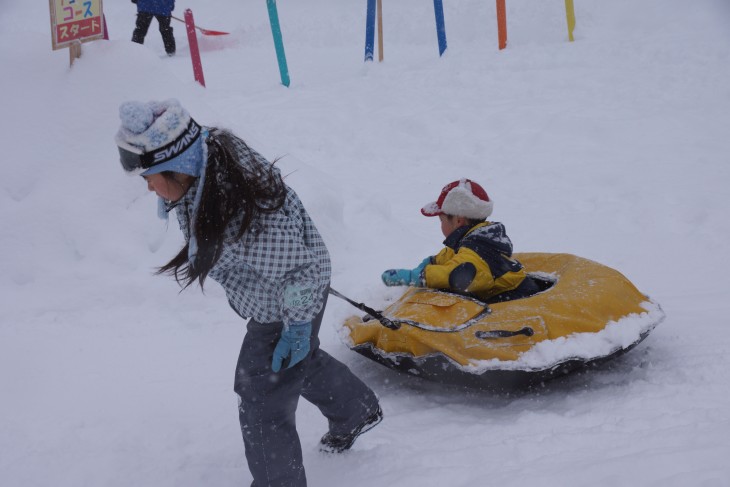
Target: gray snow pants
[(268, 402)]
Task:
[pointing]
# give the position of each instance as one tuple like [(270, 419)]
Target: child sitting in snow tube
[(477, 257)]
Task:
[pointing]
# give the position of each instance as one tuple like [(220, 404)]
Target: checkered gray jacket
[(278, 270)]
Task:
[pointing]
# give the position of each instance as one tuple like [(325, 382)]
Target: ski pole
[(378, 316)]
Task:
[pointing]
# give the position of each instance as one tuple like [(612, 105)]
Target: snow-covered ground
[(614, 147)]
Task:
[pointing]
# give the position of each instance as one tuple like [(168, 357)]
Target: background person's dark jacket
[(156, 7)]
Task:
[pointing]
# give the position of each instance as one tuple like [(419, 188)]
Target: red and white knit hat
[(461, 198)]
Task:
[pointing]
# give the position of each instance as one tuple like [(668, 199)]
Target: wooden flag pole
[(278, 42), (380, 30), (370, 29), (570, 15), (194, 51), (438, 8), (502, 23)]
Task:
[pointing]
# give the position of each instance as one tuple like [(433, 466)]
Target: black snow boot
[(338, 443)]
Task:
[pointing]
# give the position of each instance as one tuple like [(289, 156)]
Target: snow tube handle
[(486, 335), (390, 324)]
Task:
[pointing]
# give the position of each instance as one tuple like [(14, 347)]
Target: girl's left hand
[(293, 345)]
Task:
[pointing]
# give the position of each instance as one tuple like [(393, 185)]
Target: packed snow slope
[(613, 147)]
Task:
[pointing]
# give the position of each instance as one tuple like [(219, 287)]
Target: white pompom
[(136, 116)]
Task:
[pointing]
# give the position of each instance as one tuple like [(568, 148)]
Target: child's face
[(166, 187), (449, 223)]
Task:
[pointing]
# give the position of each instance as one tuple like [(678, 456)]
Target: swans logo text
[(180, 145)]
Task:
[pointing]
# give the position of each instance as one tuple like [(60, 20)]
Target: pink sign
[(75, 20)]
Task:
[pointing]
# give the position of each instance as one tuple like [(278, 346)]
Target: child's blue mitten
[(406, 277), (293, 344)]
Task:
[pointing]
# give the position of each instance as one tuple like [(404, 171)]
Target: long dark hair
[(237, 181)]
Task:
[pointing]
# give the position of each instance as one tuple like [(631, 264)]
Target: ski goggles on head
[(135, 161), (132, 160)]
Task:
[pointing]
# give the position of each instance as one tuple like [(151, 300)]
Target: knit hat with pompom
[(159, 136)]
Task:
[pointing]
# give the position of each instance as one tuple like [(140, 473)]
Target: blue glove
[(405, 277), (293, 344)]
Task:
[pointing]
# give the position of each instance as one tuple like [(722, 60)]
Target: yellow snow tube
[(584, 297)]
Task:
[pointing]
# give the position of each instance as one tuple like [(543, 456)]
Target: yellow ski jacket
[(475, 260)]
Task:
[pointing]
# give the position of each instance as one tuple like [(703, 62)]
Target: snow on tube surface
[(587, 313)]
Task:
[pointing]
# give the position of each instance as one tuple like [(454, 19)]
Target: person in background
[(477, 257), (162, 11), (247, 230)]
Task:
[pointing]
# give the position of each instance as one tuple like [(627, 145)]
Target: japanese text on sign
[(75, 20)]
